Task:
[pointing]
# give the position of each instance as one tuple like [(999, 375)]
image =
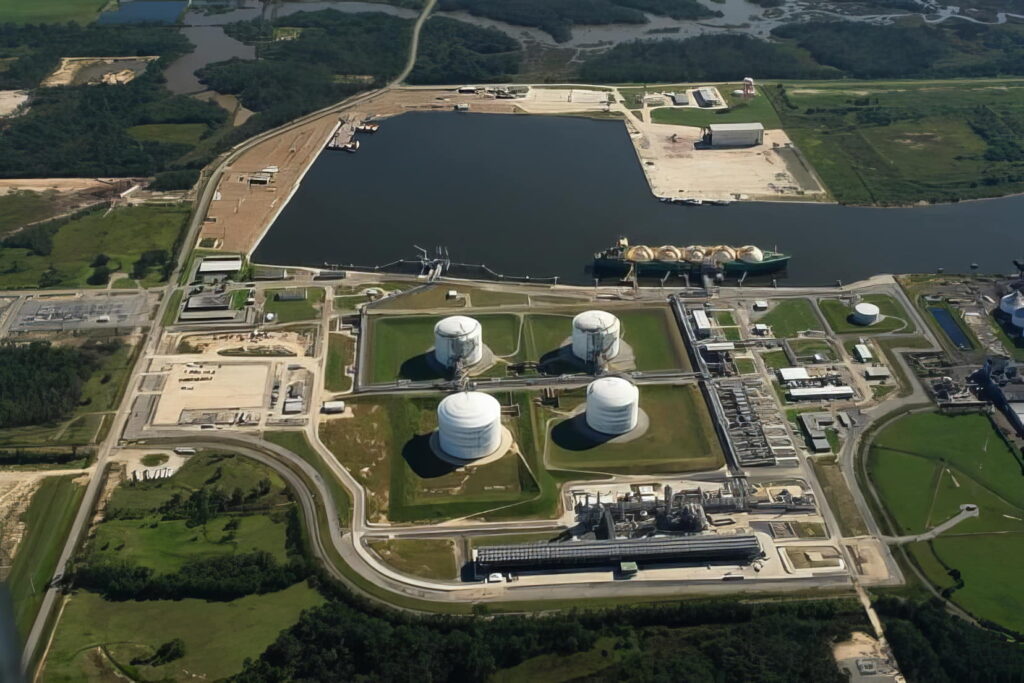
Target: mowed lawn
[(24, 206), (399, 344), (218, 636), (294, 311), (790, 317), (49, 11), (681, 438), (895, 318), (47, 523), (165, 546), (757, 109), (429, 558), (340, 350), (123, 235), (925, 467)]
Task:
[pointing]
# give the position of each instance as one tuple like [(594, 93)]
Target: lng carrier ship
[(641, 260)]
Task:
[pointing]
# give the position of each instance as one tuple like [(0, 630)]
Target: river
[(537, 195)]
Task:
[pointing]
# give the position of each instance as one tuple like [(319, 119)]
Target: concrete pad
[(211, 386)]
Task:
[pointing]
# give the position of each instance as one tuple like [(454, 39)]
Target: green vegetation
[(741, 110), (812, 347), (294, 311), (925, 466), (99, 640), (297, 443), (50, 11), (400, 344), (775, 359), (47, 523), (62, 253), (898, 143), (557, 17), (745, 366), (425, 557), (340, 350), (154, 459), (458, 52), (839, 315), (173, 308), (840, 500), (492, 297), (173, 133), (681, 438), (790, 317), (24, 206)]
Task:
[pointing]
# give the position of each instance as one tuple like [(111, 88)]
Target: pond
[(951, 328)]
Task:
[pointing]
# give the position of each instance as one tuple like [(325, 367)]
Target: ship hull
[(620, 266)]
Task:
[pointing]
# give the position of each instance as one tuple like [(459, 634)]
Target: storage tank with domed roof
[(456, 338), (595, 336), (469, 425), (1011, 302), (613, 405)]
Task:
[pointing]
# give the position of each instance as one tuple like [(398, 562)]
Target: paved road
[(966, 511)]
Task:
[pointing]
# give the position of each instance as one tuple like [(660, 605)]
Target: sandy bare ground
[(56, 184), (70, 66), (676, 167), (10, 100), (212, 386)]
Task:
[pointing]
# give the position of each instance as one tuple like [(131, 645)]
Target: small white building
[(220, 265), (701, 322), (877, 372), (332, 407), (760, 305), (793, 374), (761, 330), (862, 353), (819, 393)]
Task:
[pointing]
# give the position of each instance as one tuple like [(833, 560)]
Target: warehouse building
[(697, 549), (734, 134), (707, 97), (827, 392)]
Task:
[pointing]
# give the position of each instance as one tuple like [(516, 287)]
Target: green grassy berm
[(895, 317), (340, 350), (790, 317)]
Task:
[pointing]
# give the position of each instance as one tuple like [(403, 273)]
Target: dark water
[(534, 195), (211, 45), (949, 326), (144, 11)]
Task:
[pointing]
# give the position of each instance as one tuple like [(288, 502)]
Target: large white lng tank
[(469, 425), (1011, 303), (1018, 318), (458, 338), (613, 405), (595, 336), (865, 314)]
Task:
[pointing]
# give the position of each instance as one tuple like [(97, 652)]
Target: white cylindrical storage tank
[(865, 314), (613, 405), (1018, 318), (469, 425), (458, 337), (595, 336), (1010, 303)]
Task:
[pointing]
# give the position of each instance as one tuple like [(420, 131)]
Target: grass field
[(424, 557), (47, 523), (925, 466), (775, 359), (840, 500), (24, 206), (177, 133), (171, 312), (340, 350), (755, 110), (812, 347), (218, 636), (400, 344), (790, 317), (49, 11), (123, 235), (294, 311), (489, 297), (165, 546), (297, 443), (745, 366), (903, 142), (681, 439), (895, 318)]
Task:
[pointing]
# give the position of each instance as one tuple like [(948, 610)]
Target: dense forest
[(456, 52), (42, 383), (703, 58), (83, 130), (934, 647), (557, 17), (350, 639)]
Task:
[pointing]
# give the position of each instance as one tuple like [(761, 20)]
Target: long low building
[(815, 393), (580, 554)]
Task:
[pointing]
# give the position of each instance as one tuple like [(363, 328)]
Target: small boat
[(351, 146), (367, 127), (720, 202), (691, 202)]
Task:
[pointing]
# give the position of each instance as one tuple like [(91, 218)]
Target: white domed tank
[(1010, 303), (751, 254), (456, 338), (723, 254), (1018, 318), (866, 314), (595, 336), (469, 425), (613, 405)]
